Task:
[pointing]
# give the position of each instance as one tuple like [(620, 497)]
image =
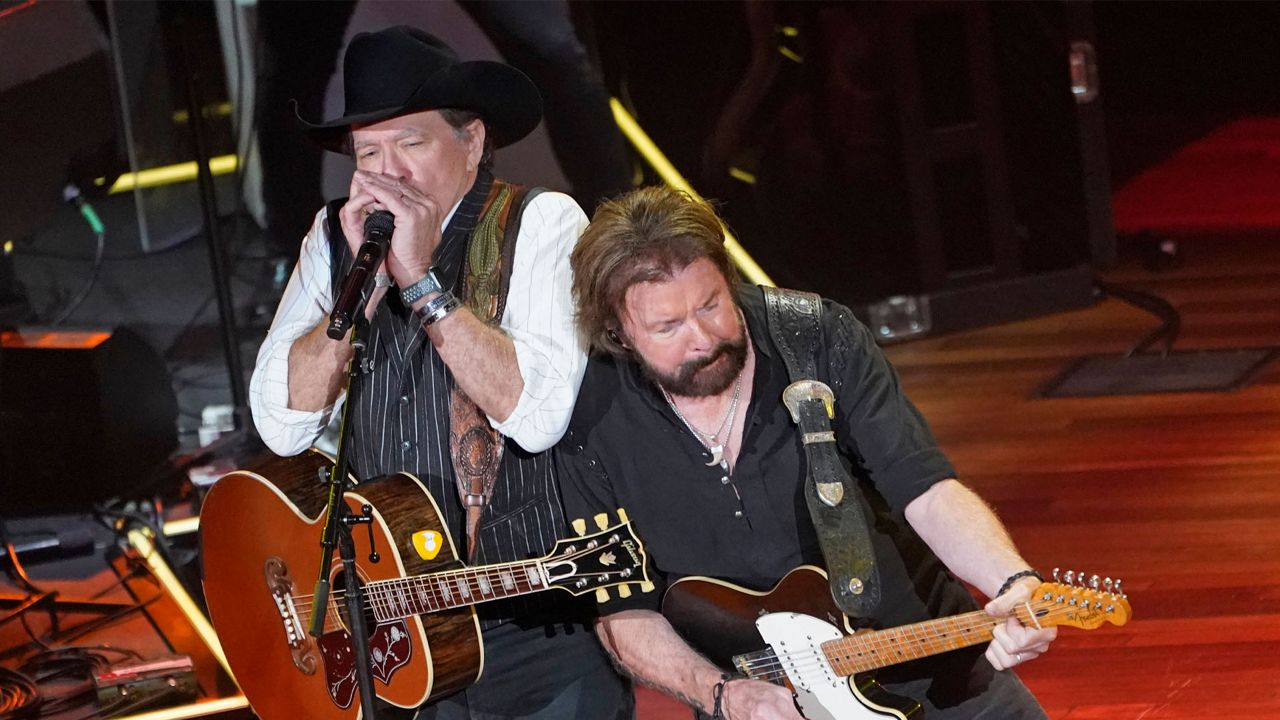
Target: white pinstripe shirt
[(538, 318)]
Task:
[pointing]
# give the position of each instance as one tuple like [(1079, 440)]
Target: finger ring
[(1019, 656)]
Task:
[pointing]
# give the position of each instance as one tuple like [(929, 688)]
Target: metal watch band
[(416, 291)]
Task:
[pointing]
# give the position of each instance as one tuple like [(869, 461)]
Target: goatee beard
[(695, 379)]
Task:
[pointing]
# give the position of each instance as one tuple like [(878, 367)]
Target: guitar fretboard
[(870, 650), (404, 597)]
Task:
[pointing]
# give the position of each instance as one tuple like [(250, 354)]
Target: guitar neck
[(404, 597), (865, 651)]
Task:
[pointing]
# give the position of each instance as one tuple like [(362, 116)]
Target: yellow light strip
[(142, 542), (661, 165), (216, 110), (167, 174), (184, 526), (200, 709)]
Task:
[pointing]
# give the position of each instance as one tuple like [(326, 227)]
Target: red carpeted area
[(1227, 180)]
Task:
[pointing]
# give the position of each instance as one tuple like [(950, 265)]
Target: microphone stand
[(338, 524)]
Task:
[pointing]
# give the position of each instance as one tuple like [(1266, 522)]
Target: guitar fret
[(871, 650)]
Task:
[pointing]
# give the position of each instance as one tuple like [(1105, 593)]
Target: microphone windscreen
[(381, 222)]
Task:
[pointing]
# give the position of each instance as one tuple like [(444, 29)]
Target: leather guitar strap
[(475, 447), (832, 495)]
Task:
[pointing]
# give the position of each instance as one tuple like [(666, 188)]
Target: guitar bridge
[(281, 587)]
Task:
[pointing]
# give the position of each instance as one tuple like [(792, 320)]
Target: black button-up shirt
[(626, 448)]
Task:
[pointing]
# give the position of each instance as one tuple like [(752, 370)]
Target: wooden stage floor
[(1178, 494)]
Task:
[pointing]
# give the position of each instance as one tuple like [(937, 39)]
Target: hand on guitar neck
[(1012, 642)]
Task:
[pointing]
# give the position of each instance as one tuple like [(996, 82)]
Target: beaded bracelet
[(1015, 578)]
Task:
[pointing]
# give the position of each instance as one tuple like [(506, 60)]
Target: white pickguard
[(821, 694)]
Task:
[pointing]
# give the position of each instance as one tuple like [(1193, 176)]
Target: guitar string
[(934, 643), (932, 640), (817, 659), (490, 571), (385, 593), (382, 599), (769, 666)]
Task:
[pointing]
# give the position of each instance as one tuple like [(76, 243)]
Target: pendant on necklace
[(717, 455)]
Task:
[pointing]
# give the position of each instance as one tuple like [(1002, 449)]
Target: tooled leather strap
[(475, 447), (830, 492)]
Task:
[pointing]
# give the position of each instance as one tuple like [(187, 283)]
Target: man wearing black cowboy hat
[(473, 362)]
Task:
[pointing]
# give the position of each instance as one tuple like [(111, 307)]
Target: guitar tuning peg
[(1068, 577), (1119, 589), (602, 595), (646, 586), (622, 515), (1055, 576), (624, 591), (602, 520), (580, 526), (1079, 578), (1094, 581), (1106, 583)]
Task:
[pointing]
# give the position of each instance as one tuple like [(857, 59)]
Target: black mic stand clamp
[(338, 524)]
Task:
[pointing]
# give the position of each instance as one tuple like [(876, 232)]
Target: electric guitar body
[(795, 636)]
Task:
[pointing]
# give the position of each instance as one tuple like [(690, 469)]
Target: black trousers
[(538, 673)]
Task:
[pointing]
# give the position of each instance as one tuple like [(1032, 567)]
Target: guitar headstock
[(612, 556), (1074, 601)]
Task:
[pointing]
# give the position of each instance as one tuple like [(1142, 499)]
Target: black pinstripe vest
[(402, 424)]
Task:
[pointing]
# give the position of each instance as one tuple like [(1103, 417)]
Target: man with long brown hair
[(680, 421)]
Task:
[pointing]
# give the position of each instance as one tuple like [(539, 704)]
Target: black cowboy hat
[(402, 69)]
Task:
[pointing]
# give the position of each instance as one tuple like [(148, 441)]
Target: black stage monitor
[(84, 416)]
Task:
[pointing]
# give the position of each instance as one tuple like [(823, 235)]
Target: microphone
[(355, 288)]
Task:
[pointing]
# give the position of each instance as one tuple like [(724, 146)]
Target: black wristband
[(1016, 577)]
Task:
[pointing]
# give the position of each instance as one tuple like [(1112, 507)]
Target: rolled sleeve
[(306, 301), (539, 320), (881, 427), (585, 490)]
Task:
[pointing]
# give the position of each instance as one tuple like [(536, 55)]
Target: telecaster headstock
[(1077, 602)]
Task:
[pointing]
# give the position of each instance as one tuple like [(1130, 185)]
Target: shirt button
[(724, 480), (737, 513), (404, 399), (406, 445)]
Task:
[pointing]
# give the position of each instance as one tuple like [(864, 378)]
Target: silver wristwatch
[(416, 291)]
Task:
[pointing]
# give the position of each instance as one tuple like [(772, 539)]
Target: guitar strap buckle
[(834, 499)]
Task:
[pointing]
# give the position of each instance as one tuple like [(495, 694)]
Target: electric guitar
[(260, 543), (811, 647)]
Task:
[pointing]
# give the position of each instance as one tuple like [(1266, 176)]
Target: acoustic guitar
[(794, 635), (260, 543)]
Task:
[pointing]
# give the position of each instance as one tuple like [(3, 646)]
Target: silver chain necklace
[(716, 445)]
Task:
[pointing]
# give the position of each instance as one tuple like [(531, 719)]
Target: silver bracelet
[(438, 307)]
